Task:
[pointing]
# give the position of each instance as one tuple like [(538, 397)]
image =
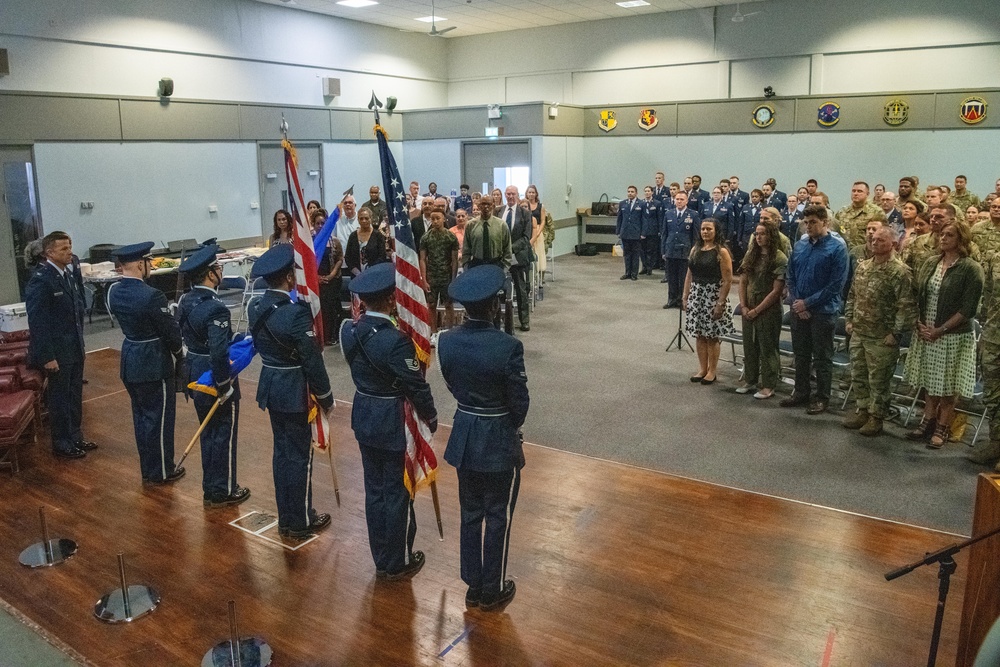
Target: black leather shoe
[(417, 561), (235, 498), (664, 280), (635, 277), (525, 327), (74, 453), (86, 445), (473, 596), (319, 523), (172, 477), (499, 601), (816, 408), (625, 277), (793, 401)]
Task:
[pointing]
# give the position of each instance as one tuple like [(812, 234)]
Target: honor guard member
[(152, 337), (54, 301), (484, 370), (205, 326), (386, 373), (292, 369)]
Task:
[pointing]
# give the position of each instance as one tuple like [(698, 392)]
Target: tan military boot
[(857, 420), (987, 454), (872, 427)]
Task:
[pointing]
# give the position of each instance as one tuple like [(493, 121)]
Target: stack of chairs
[(21, 391)]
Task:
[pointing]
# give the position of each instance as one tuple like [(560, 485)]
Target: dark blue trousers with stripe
[(218, 445), (292, 468), (392, 525), (154, 405), (486, 497)]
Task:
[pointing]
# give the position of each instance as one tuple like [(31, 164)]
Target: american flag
[(306, 279), (414, 316)]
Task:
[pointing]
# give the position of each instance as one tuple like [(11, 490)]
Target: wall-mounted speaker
[(4, 63), (165, 87), (390, 104), (331, 87)]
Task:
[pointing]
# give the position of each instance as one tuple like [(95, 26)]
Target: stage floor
[(615, 565)]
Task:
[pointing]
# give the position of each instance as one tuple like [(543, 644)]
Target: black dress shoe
[(320, 522), (473, 596), (625, 277), (501, 600), (664, 280), (635, 277), (794, 401), (172, 477), (525, 327), (74, 453), (707, 381), (816, 407), (86, 445), (235, 498), (417, 561)]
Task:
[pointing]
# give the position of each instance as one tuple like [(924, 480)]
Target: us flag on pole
[(306, 279), (414, 316)]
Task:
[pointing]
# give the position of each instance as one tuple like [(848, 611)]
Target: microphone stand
[(947, 566), (680, 336)]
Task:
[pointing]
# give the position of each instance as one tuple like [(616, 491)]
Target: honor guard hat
[(278, 258), (477, 284), (132, 253), (377, 278), (202, 258)]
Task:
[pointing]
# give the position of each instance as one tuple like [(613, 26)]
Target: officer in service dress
[(651, 213), (628, 228), (150, 350), (484, 370), (205, 326), (386, 373), (292, 369), (678, 233)]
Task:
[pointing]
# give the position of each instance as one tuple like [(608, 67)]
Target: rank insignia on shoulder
[(413, 364), (311, 333)]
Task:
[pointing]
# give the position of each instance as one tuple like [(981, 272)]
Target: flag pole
[(197, 433), (437, 509), (333, 471)]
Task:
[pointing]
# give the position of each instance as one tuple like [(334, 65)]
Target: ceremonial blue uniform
[(629, 229), (790, 225), (697, 197), (748, 220), (292, 369), (662, 194), (652, 211), (778, 200), (205, 326), (738, 200), (679, 233), (55, 305), (152, 342), (484, 370), (386, 373), (464, 202), (722, 212)]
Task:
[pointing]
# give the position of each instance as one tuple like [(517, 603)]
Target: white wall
[(438, 160), (235, 50), (859, 46), (355, 163), (148, 191)]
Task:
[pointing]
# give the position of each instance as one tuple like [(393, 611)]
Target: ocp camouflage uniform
[(986, 235), (881, 303), (989, 313), (963, 202), (925, 246), (854, 220)]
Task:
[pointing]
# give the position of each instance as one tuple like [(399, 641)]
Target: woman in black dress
[(706, 298)]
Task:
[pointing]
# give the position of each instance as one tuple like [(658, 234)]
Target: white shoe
[(745, 389), (760, 395)]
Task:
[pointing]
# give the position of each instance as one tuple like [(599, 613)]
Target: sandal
[(941, 433), (923, 429)]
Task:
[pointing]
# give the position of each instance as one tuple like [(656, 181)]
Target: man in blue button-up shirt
[(816, 275)]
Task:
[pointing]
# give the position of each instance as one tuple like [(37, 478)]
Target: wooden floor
[(614, 565)]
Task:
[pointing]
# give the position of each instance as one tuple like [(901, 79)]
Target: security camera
[(769, 91)]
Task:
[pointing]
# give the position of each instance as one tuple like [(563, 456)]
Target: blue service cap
[(277, 258), (377, 278), (477, 284), (132, 253), (200, 259)]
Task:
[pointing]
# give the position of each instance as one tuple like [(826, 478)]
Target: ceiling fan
[(739, 17), (434, 31)]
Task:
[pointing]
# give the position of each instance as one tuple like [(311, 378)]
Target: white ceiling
[(481, 16)]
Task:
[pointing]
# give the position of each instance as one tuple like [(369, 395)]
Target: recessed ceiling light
[(357, 3), (632, 3), (431, 19)]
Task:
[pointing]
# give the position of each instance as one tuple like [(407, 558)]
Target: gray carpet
[(602, 385)]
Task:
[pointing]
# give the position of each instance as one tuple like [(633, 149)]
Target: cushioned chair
[(17, 419)]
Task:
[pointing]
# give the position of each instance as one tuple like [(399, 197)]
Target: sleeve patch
[(413, 364)]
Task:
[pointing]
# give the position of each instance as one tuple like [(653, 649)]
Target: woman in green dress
[(761, 285)]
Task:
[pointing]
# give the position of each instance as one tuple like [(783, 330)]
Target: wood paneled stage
[(614, 565)]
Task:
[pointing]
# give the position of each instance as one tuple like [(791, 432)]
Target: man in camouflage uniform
[(880, 309), (986, 234), (438, 267), (854, 218), (906, 192), (989, 453), (922, 247), (961, 197)]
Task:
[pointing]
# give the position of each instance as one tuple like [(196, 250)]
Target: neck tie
[(486, 241), (510, 223)]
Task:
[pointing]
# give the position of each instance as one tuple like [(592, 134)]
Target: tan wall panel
[(346, 125), (27, 118), (948, 105), (865, 113), (445, 123), (628, 120), (569, 122), (733, 117), (260, 123), (151, 120)]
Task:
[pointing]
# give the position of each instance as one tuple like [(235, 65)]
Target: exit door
[(273, 185), (19, 221)]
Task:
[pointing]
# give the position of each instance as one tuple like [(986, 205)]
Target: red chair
[(17, 418)]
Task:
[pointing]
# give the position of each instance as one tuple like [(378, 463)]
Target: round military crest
[(648, 119), (828, 114), (763, 115), (896, 112), (973, 110), (607, 120)]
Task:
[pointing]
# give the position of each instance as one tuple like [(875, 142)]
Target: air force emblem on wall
[(973, 110), (896, 112), (828, 114), (607, 121), (648, 119)]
